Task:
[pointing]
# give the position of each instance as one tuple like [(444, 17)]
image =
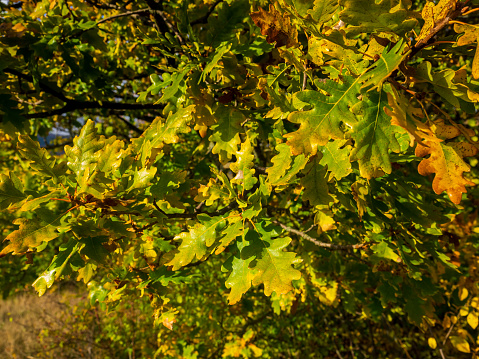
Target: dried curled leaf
[(276, 26)]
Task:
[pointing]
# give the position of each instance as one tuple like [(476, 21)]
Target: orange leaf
[(446, 162)]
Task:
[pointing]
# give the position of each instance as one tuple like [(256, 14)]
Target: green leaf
[(33, 232), (110, 158), (315, 184), (226, 132), (274, 267), (229, 16), (220, 51), (93, 248), (233, 230), (84, 154), (322, 10), (33, 203), (281, 163), (323, 122), (239, 280), (142, 178), (40, 159), (57, 266), (382, 250), (176, 78), (243, 167), (336, 158), (167, 183), (389, 16), (282, 172), (196, 242), (380, 70), (11, 190), (374, 136), (160, 132), (444, 83)]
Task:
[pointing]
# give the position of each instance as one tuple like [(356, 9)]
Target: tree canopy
[(249, 168)]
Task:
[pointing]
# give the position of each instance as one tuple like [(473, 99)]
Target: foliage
[(297, 159)]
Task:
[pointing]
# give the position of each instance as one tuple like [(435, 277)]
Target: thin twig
[(129, 13), (129, 124), (343, 247)]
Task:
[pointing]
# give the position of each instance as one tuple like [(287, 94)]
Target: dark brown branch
[(204, 19), (155, 9), (130, 125), (43, 86), (222, 211), (342, 247), (103, 6), (459, 10), (73, 105), (128, 13)]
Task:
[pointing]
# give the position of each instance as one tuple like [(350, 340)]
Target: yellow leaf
[(446, 323), (471, 34), (460, 344), (463, 312), (257, 352), (475, 64), (475, 302), (472, 320), (432, 343), (433, 14), (463, 293)]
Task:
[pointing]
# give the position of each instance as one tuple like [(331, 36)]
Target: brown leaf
[(276, 26)]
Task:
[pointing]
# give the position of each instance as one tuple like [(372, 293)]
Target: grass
[(62, 324), (45, 327)]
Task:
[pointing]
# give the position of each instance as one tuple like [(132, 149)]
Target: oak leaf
[(276, 26), (196, 242), (33, 232), (446, 162), (374, 136), (390, 16), (323, 121)]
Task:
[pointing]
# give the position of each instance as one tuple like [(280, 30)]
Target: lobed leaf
[(196, 242), (243, 167), (33, 232), (323, 122), (315, 184), (389, 16), (11, 190), (374, 136)]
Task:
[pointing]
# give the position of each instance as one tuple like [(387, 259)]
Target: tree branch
[(44, 86), (129, 124), (73, 105), (222, 211), (128, 13), (459, 10), (204, 19), (342, 247)]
